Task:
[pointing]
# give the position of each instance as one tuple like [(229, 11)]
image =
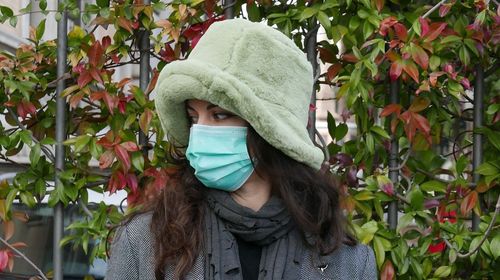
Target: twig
[(429, 12), (46, 151), (403, 163), (40, 273), (426, 173), (324, 147), (485, 236), (84, 208)]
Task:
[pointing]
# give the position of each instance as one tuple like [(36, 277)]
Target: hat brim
[(193, 79)]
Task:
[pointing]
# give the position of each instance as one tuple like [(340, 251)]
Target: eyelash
[(217, 116)]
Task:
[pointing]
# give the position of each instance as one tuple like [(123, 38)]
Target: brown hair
[(312, 199)]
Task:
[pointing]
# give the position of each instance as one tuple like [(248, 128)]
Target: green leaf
[(367, 29), (82, 142), (138, 160), (40, 29), (341, 131), (404, 221), (379, 250), (35, 154), (330, 120), (308, 12), (370, 143), (434, 62), (464, 55), (487, 169), (42, 5), (10, 198), (253, 12), (433, 186), (26, 137), (450, 39), (442, 271), (416, 27), (416, 198), (380, 131), (495, 246), (461, 164), (324, 20), (13, 21), (28, 199), (364, 195), (102, 3), (26, 9)]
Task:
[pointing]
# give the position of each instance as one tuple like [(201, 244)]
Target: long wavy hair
[(311, 197)]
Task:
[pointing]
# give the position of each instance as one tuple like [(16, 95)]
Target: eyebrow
[(209, 106)]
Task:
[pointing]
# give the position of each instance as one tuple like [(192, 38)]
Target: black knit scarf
[(271, 227)]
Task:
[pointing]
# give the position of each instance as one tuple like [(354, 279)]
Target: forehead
[(195, 103)]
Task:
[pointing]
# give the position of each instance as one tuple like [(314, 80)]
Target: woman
[(248, 201)]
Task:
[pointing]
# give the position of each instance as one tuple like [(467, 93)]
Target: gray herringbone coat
[(132, 257)]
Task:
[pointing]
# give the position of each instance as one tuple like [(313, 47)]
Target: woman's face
[(206, 113)]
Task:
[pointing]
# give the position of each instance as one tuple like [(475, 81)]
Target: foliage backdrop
[(371, 45)]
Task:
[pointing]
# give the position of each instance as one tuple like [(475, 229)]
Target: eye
[(222, 116), (193, 119)]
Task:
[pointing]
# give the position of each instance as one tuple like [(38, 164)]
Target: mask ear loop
[(325, 166)]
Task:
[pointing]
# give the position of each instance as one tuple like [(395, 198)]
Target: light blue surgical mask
[(219, 156)]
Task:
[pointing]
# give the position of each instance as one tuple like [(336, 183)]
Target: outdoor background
[(406, 106)]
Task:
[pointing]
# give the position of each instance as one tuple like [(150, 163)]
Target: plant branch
[(40, 273), (45, 150), (84, 208), (403, 163), (429, 174), (485, 236), (323, 145), (429, 12)]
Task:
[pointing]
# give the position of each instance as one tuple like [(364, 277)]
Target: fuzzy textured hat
[(249, 69)]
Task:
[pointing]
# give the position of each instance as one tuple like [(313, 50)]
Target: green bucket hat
[(249, 69)]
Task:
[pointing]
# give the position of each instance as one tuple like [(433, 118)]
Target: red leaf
[(168, 54), (75, 99), (326, 55), (4, 259), (391, 108), (411, 69), (349, 57), (106, 159), (111, 101), (106, 41), (125, 23), (96, 75), (122, 155), (392, 56), (433, 77), (333, 70), (435, 30), (132, 182), (424, 25), (152, 83), (422, 123), (95, 54), (387, 271), (84, 79), (395, 70), (385, 24), (123, 82), (444, 9), (379, 4), (468, 203), (130, 146), (424, 86), (401, 31), (419, 56), (436, 248)]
